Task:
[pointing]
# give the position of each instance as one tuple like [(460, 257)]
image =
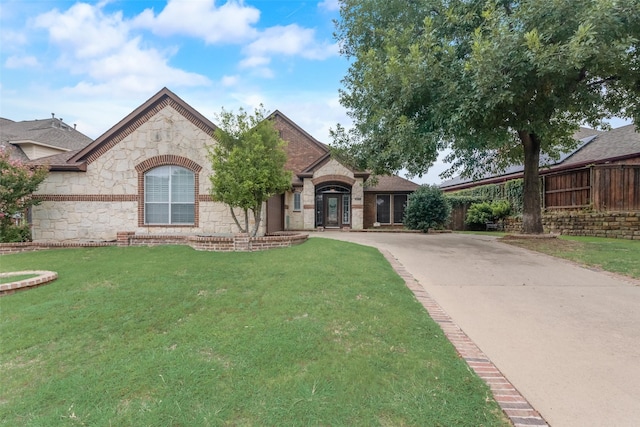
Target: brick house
[(149, 174)]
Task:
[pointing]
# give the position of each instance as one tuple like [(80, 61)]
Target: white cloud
[(99, 48), (231, 23), (329, 5), (85, 30), (10, 38), (227, 81), (290, 40), (21, 62), (134, 69), (255, 61)]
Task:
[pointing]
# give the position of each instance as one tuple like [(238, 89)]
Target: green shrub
[(427, 208), (481, 213), (11, 233), (501, 209), (457, 200)]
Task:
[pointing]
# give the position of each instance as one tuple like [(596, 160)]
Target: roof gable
[(136, 119), (302, 149)]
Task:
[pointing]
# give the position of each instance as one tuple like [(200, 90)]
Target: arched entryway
[(333, 205)]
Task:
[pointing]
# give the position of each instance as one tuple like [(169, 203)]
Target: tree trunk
[(235, 218), (532, 207), (257, 214)]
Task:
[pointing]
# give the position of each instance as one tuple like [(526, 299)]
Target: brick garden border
[(42, 277), (512, 403), (237, 243)]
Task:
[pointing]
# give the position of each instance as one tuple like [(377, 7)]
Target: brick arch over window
[(167, 160)]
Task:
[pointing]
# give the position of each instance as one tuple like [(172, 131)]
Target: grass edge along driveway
[(618, 256), (325, 333)]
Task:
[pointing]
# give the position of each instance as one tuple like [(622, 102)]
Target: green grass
[(16, 278), (324, 333), (615, 255)]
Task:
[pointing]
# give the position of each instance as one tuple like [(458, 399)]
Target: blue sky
[(93, 62)]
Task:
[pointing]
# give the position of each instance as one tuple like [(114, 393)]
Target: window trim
[(169, 203), (297, 201), (171, 160), (346, 209)]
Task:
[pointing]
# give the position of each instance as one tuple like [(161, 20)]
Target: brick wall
[(12, 248), (621, 225), (240, 243)]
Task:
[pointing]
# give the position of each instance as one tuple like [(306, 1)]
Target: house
[(35, 139), (601, 176), (601, 173), (149, 174)]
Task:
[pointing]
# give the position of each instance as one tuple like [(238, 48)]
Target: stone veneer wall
[(621, 225), (93, 205), (335, 169), (295, 218)]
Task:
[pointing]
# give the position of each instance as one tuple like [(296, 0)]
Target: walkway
[(568, 338)]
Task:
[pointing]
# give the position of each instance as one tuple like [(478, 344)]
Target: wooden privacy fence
[(616, 188), (601, 188), (568, 190)]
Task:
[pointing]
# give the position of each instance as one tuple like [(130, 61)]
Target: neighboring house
[(602, 173), (34, 139), (150, 174)]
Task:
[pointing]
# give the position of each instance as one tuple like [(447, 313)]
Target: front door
[(332, 210)]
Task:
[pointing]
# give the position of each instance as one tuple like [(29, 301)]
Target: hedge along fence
[(511, 191)]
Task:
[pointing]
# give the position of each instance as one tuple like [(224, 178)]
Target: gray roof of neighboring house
[(593, 146), (619, 142), (52, 132)]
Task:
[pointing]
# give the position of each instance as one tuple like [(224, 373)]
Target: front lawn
[(324, 333), (615, 255)]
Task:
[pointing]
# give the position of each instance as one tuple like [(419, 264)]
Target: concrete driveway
[(567, 337)]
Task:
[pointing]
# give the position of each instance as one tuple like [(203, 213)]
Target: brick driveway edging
[(514, 405)]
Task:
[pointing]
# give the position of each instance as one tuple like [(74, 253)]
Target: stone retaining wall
[(621, 225)]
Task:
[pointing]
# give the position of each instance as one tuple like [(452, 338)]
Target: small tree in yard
[(248, 164), (17, 184), (426, 208)]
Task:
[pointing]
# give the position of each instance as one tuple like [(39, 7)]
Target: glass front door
[(332, 214)]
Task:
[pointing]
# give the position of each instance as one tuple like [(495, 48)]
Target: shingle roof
[(619, 142), (59, 161), (53, 132), (594, 146), (392, 183)]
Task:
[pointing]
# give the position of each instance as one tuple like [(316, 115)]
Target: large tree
[(495, 82), (248, 161)]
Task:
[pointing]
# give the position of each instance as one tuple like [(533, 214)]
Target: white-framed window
[(169, 196), (297, 201), (346, 209)]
